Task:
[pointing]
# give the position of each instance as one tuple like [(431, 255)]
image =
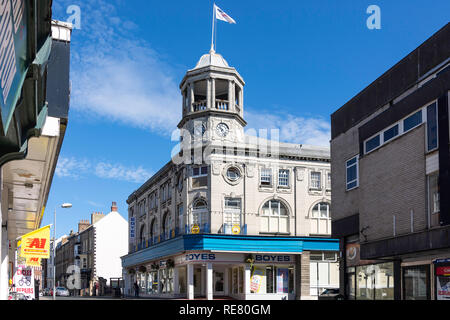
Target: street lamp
[(64, 206)]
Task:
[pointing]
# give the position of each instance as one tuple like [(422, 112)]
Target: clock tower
[(213, 102)]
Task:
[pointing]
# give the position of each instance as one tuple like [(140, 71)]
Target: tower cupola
[(212, 88)]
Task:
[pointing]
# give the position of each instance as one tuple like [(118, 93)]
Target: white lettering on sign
[(132, 227)]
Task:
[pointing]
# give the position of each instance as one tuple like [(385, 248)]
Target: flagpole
[(213, 25)]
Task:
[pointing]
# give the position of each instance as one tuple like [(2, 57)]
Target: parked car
[(331, 294), (62, 292)]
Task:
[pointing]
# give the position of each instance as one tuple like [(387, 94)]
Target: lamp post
[(64, 206)]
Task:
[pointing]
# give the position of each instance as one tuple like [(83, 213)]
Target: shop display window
[(152, 282), (375, 282), (241, 280), (416, 281), (166, 280), (279, 279)]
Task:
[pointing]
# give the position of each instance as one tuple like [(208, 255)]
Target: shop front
[(205, 274), (442, 279), (369, 279), (263, 273)]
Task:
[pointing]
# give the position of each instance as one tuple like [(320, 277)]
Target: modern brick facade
[(390, 179)]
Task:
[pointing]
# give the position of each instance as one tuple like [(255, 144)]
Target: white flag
[(221, 15)]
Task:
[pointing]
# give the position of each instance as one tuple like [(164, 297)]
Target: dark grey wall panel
[(58, 80)]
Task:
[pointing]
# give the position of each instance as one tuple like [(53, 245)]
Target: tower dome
[(212, 59)]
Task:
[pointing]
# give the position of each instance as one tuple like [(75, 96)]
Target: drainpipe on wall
[(244, 197), (295, 199)]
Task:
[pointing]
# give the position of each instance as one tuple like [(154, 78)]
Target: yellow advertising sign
[(33, 262), (236, 229), (195, 229), (36, 244), (19, 248)]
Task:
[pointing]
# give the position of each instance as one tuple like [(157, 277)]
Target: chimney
[(114, 207), (96, 217), (83, 225)]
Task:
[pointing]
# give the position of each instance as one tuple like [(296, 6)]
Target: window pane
[(432, 127), (433, 191), (315, 211), (352, 185), (324, 210), (351, 162), (266, 209), (351, 174), (415, 283), (315, 180), (412, 121), (373, 143), (196, 171), (391, 133), (204, 170), (232, 203), (266, 176), (270, 280), (233, 174), (283, 178)]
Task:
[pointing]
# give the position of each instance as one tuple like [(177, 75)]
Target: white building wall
[(111, 243)]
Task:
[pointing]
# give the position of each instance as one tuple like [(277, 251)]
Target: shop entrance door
[(197, 281), (219, 282)]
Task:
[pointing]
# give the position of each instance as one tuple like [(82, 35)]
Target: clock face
[(222, 130)]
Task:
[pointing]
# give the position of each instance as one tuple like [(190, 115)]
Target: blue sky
[(301, 61)]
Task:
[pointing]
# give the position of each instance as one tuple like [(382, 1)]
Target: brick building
[(390, 180)]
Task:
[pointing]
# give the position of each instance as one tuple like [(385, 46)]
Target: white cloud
[(71, 168), (77, 169), (117, 77), (121, 173), (293, 129)]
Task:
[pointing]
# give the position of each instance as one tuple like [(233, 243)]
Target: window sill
[(266, 188)]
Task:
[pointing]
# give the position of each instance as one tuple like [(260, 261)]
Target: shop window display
[(375, 282), (152, 282), (415, 283), (166, 280)]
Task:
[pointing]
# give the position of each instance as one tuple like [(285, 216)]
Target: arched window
[(321, 210), (274, 217), (321, 219), (200, 205), (167, 226), (154, 230), (198, 217), (142, 235)]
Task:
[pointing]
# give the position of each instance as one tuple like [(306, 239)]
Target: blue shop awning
[(228, 243)]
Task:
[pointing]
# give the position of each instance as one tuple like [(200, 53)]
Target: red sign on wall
[(443, 271)]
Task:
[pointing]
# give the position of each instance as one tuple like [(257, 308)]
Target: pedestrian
[(136, 289)]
